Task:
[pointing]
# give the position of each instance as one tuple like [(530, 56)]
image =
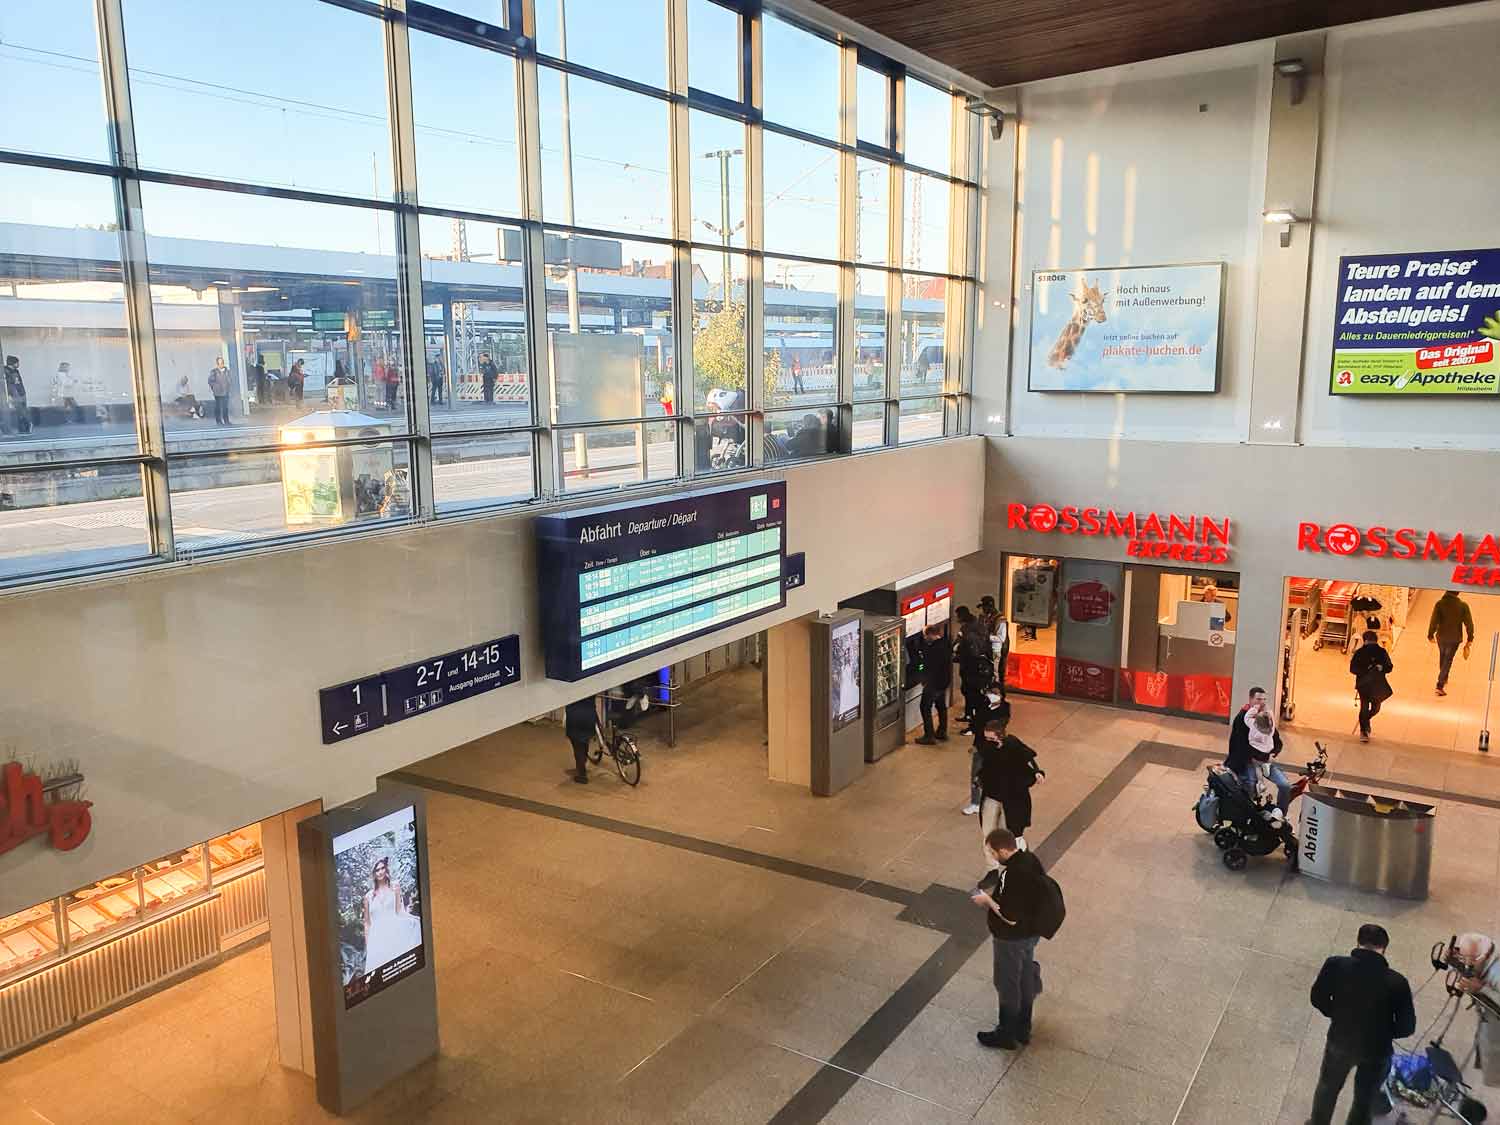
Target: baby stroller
[(1244, 823)]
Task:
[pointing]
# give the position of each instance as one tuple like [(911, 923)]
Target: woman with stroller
[(1370, 665), (1007, 770)]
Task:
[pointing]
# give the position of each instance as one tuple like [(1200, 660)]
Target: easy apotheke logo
[(1183, 538), (1468, 554)]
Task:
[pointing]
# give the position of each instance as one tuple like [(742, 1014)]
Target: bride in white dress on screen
[(389, 929)]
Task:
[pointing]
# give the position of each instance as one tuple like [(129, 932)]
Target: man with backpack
[(1023, 904), (975, 662)]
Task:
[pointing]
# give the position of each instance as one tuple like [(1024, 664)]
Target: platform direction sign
[(351, 709), (371, 702)]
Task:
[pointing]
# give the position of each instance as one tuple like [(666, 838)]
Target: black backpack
[(1051, 910)]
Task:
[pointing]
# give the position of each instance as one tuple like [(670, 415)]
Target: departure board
[(625, 580)]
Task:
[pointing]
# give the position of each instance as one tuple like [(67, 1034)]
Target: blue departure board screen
[(621, 581)]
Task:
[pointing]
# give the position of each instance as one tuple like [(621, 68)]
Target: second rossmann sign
[(1153, 535), (1476, 558)]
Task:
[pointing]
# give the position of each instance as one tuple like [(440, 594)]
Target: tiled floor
[(695, 973), (1415, 716)]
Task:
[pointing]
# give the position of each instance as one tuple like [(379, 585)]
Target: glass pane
[(474, 338), (869, 425), (622, 37), (28, 938), (52, 94), (794, 435), (801, 356), (109, 905), (802, 197), (251, 92), (617, 177), (609, 318), (466, 159), (59, 519), (923, 305), (231, 854), (719, 331), (872, 113), (872, 227), (928, 139), (714, 53), (801, 77), (478, 472), (926, 225), (921, 418), (869, 330), (66, 389), (615, 455), (173, 878), (251, 337), (717, 174), (719, 442), (232, 498)]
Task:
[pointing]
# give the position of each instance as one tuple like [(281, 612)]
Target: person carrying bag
[(1370, 665)]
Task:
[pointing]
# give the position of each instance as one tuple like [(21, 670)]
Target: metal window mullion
[(755, 263), (680, 177), (546, 471), (844, 329), (409, 263), (140, 321), (894, 280)]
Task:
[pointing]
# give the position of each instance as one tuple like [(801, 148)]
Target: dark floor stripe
[(781, 866)]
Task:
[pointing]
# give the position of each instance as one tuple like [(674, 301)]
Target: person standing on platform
[(579, 719), (15, 396), (1370, 665), (218, 383), (937, 677), (435, 380), (1451, 625), (1369, 1005), (488, 373), (1007, 771)]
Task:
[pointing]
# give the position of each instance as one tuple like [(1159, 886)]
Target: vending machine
[(884, 726)]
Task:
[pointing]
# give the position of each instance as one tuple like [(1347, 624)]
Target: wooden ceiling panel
[(1004, 42)]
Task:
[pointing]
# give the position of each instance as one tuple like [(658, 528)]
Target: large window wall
[(500, 252)]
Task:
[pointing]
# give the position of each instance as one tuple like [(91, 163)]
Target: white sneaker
[(970, 810)]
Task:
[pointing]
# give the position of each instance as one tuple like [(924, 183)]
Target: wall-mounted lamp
[(1286, 220), (981, 108), (1296, 70)]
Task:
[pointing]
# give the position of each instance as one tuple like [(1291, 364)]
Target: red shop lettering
[(25, 811), (1379, 541), (1180, 538)]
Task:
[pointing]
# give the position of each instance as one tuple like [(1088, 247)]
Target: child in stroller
[(1243, 822)]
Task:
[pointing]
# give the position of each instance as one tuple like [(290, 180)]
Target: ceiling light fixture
[(1286, 220), (1296, 70)]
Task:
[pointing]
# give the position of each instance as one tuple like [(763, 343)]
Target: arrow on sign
[(510, 671), (340, 728)]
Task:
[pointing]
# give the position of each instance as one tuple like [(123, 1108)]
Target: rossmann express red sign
[(1152, 535), (1468, 554)]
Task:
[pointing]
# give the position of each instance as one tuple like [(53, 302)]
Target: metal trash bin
[(1366, 841)]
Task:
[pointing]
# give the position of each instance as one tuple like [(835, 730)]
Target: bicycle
[(619, 746)]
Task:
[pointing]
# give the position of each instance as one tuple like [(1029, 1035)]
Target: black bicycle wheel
[(627, 759)]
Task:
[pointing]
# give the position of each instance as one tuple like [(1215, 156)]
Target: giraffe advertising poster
[(1146, 329)]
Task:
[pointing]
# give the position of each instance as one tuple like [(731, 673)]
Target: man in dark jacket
[(1369, 1004), (1007, 771), (488, 374), (975, 669), (579, 718), (1014, 897), (1241, 758), (937, 676), (1448, 626), (1370, 665)]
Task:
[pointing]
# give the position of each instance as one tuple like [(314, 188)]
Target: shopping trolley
[(1335, 628), (1305, 597)]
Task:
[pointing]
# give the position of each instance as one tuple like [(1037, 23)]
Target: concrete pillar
[(289, 979), (789, 702), (1291, 182)]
